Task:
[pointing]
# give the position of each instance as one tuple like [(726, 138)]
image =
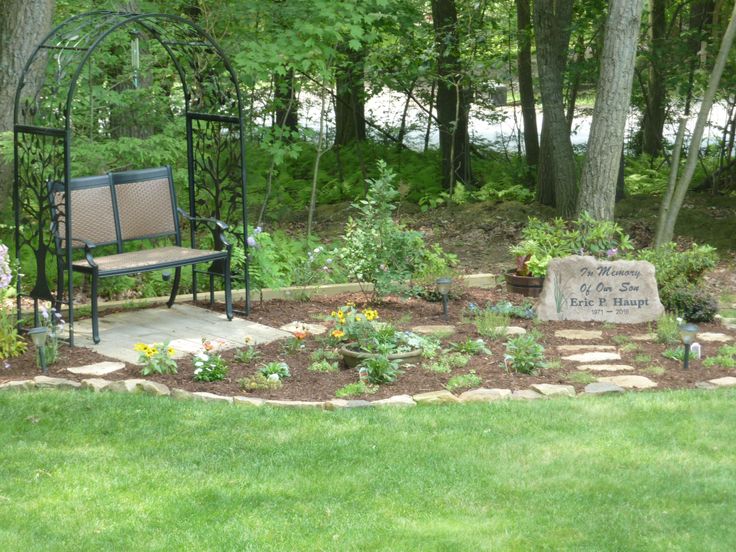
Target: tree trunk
[(453, 99), (23, 24), (526, 86), (350, 98), (701, 16), (556, 178), (603, 159), (654, 110), (285, 104), (669, 212)]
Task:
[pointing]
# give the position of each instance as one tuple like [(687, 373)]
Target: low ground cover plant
[(524, 354), (356, 389), (447, 362), (275, 370), (470, 346), (259, 382), (726, 357), (463, 381)]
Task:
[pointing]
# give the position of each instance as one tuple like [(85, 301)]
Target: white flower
[(203, 356), (198, 364), (274, 377), (198, 371)]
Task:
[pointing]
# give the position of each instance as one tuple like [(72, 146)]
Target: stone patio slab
[(183, 325)]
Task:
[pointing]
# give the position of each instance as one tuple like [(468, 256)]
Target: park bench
[(118, 208)]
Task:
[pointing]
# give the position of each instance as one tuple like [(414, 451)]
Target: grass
[(654, 369), (644, 471)]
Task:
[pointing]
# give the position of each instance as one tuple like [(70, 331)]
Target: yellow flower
[(338, 333), (333, 314), (140, 347), (170, 351)]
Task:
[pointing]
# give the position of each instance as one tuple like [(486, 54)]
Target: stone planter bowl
[(353, 358)]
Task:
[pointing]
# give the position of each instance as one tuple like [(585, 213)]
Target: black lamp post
[(443, 288), (38, 336), (687, 334)]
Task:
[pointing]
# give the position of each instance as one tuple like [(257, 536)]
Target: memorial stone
[(585, 288)]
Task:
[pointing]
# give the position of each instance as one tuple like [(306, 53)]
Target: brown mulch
[(404, 313)]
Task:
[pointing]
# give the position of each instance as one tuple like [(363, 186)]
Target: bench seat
[(149, 259)]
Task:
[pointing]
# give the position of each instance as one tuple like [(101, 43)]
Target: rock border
[(481, 394)]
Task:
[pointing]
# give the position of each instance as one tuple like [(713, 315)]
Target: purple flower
[(251, 241), (612, 252), (44, 313), (6, 365), (257, 230)]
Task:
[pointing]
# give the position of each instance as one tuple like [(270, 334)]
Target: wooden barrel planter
[(528, 286)]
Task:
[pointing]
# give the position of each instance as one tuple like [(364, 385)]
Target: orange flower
[(300, 335), (207, 345), (338, 333)]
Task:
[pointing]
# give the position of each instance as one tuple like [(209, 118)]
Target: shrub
[(156, 358), (692, 303), (378, 370), (524, 354), (378, 250), (464, 381)]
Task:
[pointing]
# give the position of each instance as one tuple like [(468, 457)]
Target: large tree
[(526, 87), (656, 92), (453, 96), (556, 179), (23, 23), (602, 161)]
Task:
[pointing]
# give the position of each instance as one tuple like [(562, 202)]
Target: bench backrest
[(118, 207)]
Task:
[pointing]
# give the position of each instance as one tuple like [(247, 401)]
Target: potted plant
[(362, 336), (543, 241)]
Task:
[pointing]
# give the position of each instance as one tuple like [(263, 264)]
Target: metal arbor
[(43, 132)]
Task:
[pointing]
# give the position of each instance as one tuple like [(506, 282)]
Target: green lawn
[(655, 471)]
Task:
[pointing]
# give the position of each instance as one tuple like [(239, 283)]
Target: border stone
[(95, 384), (97, 369), (706, 385), (525, 395), (18, 385), (396, 400), (727, 381), (435, 397), (629, 381), (603, 388), (211, 397), (605, 367), (339, 404), (552, 390), (181, 395), (579, 334), (55, 383), (483, 394), (248, 401), (295, 404)]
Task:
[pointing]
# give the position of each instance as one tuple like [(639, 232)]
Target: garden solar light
[(443, 288), (687, 334), (38, 336)]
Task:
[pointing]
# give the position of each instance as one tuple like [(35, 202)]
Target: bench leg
[(174, 287), (95, 322), (228, 291)]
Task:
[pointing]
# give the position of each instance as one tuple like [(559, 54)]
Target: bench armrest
[(88, 247), (211, 220)]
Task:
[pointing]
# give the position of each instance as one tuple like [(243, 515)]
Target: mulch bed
[(404, 313)]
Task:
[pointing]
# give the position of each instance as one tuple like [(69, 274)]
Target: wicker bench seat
[(131, 206)]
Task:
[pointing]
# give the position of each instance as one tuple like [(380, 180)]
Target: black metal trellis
[(43, 132)]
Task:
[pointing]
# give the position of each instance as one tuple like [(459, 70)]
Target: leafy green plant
[(156, 358), (668, 329), (524, 354), (378, 370), (471, 346), (621, 339), (628, 347), (248, 354), (446, 363), (463, 381), (355, 390), (324, 354), (258, 382), (54, 324), (324, 365), (643, 358), (525, 310), (209, 366), (11, 344), (726, 358), (275, 368), (677, 353), (491, 324)]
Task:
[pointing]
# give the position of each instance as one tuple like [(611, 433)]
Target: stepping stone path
[(711, 337), (438, 329), (606, 367), (511, 330), (602, 388), (579, 334), (728, 381), (593, 356), (629, 382), (97, 369), (311, 329), (576, 348), (644, 337)]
